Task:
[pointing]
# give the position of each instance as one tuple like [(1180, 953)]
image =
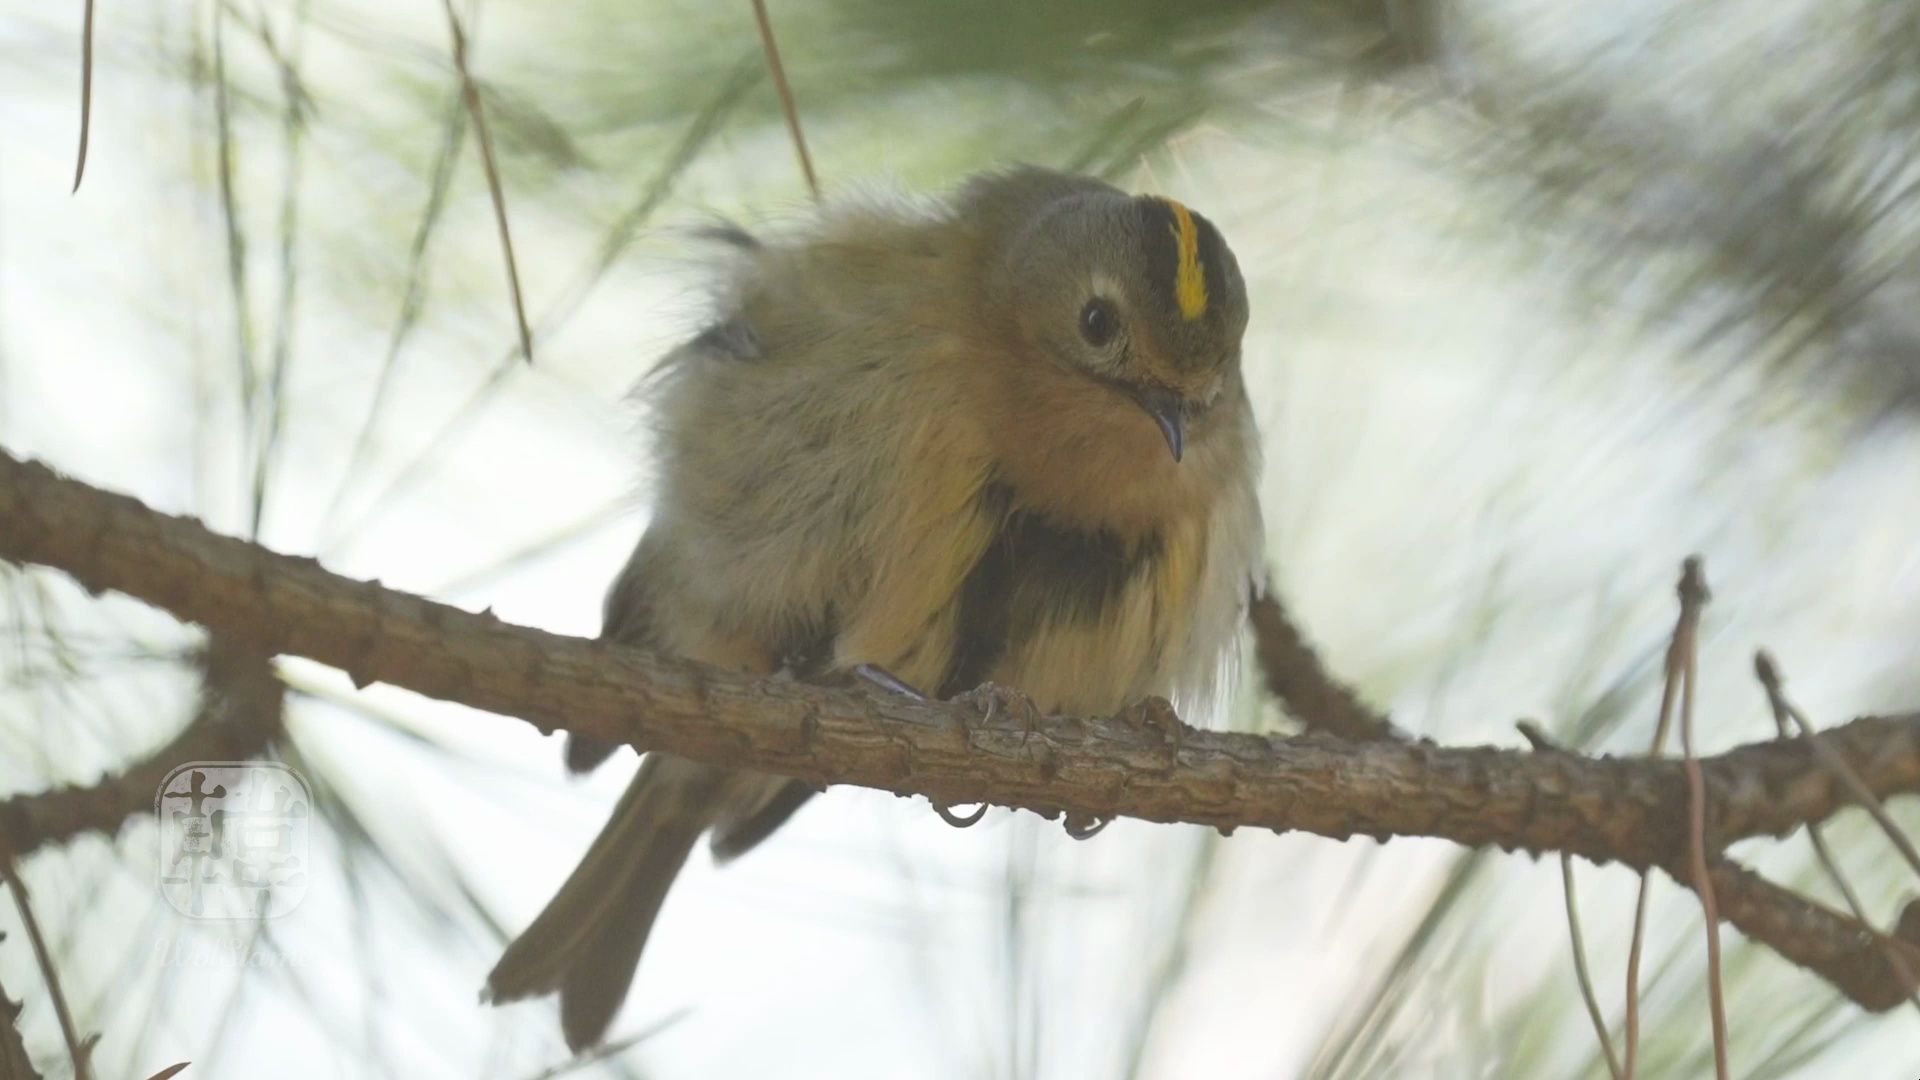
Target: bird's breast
[(1083, 619)]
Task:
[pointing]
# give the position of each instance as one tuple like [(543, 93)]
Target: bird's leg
[(887, 680), (1155, 713), (992, 699)]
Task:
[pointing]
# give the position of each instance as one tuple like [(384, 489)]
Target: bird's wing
[(626, 617)]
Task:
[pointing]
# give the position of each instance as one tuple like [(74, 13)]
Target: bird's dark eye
[(1099, 322)]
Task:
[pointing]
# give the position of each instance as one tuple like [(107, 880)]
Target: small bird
[(999, 437)]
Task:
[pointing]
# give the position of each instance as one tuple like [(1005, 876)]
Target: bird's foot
[(995, 700), (888, 681), (1157, 713), (1082, 826)]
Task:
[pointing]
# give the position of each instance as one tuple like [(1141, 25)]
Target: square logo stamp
[(233, 839)]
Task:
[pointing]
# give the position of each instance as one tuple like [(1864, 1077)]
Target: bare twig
[(1580, 971), (470, 91), (1139, 763), (1694, 596), (293, 125), (76, 1047), (235, 232), (699, 131), (1785, 715), (1770, 679), (412, 299), (787, 106), (1668, 694), (1543, 742), (1295, 675), (86, 94)]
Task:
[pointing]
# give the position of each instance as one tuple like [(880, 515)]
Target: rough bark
[(986, 747)]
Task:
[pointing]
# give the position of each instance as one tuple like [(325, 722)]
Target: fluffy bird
[(1002, 438)]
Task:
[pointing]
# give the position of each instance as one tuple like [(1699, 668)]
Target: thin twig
[(1785, 716), (470, 91), (1901, 969), (1770, 679), (1694, 594), (76, 1048), (699, 132), (1851, 955), (412, 300), (293, 125), (1632, 1022), (235, 232), (787, 106), (86, 94), (1668, 694), (1580, 971), (1543, 742)]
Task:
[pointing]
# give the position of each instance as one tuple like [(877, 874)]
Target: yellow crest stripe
[(1189, 280)]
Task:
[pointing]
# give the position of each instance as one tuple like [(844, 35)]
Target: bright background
[(1545, 298)]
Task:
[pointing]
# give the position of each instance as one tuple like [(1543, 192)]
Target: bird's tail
[(586, 943)]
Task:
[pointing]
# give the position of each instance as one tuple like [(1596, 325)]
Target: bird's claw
[(956, 820), (1084, 826), (888, 681), (992, 698), (1158, 713)]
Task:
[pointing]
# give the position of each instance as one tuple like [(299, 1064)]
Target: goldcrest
[(998, 438)]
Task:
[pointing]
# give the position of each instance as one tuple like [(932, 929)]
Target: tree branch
[(1858, 960), (1141, 763), (1294, 674), (15, 1064), (241, 712)]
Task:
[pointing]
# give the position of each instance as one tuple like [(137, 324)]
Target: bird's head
[(1137, 293)]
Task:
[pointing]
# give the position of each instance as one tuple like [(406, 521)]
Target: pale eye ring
[(1099, 322)]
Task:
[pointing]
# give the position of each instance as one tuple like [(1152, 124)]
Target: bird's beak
[(1166, 408)]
